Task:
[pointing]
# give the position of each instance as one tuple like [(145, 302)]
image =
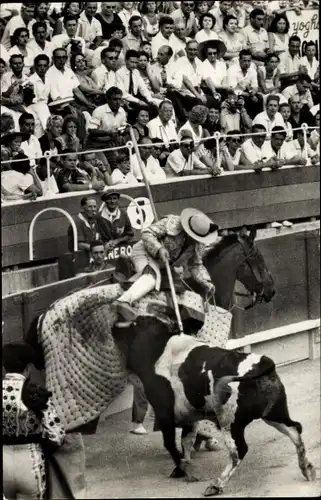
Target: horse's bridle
[(257, 298)]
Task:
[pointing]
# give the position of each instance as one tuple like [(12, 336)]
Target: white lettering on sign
[(135, 216), (122, 251), (305, 26)]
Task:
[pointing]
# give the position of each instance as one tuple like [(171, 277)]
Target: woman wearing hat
[(178, 239), (213, 68), (31, 428)]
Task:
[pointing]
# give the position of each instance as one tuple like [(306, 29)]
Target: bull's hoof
[(309, 472), (177, 473), (213, 490)]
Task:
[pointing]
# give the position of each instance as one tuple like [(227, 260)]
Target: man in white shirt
[(256, 36), (163, 71), (39, 45), (162, 127), (22, 20), (39, 105), (183, 161), (302, 89), (278, 152), (135, 35), (252, 153), (152, 168), (31, 147), (89, 27), (291, 67), (219, 12), (164, 36), (301, 150), (105, 75), (242, 77), (135, 91), (271, 117), (69, 41), (186, 15), (179, 40)]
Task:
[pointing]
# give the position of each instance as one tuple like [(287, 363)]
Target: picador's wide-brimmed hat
[(213, 44), (199, 226)]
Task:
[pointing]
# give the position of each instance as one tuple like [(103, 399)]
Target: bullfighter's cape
[(85, 369)]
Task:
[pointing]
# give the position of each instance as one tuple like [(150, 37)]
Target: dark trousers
[(140, 403), (254, 107)]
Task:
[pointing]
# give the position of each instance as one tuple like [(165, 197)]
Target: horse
[(74, 335)]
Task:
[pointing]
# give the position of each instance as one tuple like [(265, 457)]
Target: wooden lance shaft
[(150, 196)]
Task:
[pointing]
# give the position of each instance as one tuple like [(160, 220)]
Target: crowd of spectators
[(76, 76)]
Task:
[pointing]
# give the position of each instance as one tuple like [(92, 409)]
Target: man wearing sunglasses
[(231, 152), (105, 75)]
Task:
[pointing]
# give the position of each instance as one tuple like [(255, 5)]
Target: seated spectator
[(302, 89), (213, 121), (22, 20), (279, 37), (86, 224), (183, 161), (161, 73), (271, 117), (206, 23), (42, 15), (291, 66), (121, 171), (108, 122), (140, 126), (233, 113), (21, 181), (201, 8), (232, 39), (252, 152), (315, 134), (269, 75), (126, 13), (98, 260), (178, 41), (20, 40), (135, 92), (279, 153), (299, 114), (69, 138), (213, 69), (256, 37), (31, 146), (231, 152), (220, 12), (49, 187), (11, 146), (162, 127), (90, 28), (39, 106), (153, 171), (87, 86), (146, 47), (150, 18), (105, 75), (69, 40), (309, 61), (238, 10), (39, 45), (109, 19), (186, 14), (164, 36), (69, 9), (113, 222), (143, 68), (196, 118), (49, 142), (135, 35), (6, 124), (71, 178), (90, 162), (285, 111), (304, 151)]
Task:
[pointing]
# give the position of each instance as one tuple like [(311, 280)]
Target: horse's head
[(253, 272)]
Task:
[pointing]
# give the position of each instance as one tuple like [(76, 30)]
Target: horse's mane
[(224, 243)]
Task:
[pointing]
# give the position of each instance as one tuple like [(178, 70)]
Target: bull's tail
[(222, 388)]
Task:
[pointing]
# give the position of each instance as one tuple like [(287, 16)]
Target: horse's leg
[(188, 438), (237, 447)]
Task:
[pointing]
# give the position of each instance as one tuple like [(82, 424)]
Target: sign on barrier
[(120, 251), (135, 216), (305, 26)]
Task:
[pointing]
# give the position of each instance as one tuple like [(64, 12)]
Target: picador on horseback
[(176, 239)]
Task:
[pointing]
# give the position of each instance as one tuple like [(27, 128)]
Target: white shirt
[(285, 152), (238, 81), (41, 89), (170, 68), (176, 163), (252, 152), (234, 159), (103, 77), (217, 75), (58, 41), (117, 177), (53, 185), (32, 148), (289, 64), (28, 60), (202, 36), (194, 74), (296, 150), (312, 69), (37, 50), (16, 182), (61, 84), (9, 78), (292, 90), (177, 45), (14, 23), (154, 172), (122, 82), (104, 119), (89, 30), (158, 41), (256, 40), (125, 15), (4, 53), (263, 119), (165, 133)]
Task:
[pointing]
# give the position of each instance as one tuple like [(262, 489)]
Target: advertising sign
[(305, 26)]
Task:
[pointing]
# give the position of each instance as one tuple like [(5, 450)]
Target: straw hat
[(199, 226), (213, 44)]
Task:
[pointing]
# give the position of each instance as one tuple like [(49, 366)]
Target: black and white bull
[(186, 380)]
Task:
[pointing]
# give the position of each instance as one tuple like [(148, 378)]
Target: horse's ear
[(243, 231), (253, 232)]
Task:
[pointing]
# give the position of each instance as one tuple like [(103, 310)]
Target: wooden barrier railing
[(233, 199)]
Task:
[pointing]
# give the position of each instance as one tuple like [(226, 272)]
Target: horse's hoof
[(310, 473), (213, 490), (212, 445), (177, 473)]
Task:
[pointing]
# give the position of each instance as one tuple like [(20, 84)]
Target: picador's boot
[(127, 314)]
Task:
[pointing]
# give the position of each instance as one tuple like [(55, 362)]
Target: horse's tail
[(32, 338)]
